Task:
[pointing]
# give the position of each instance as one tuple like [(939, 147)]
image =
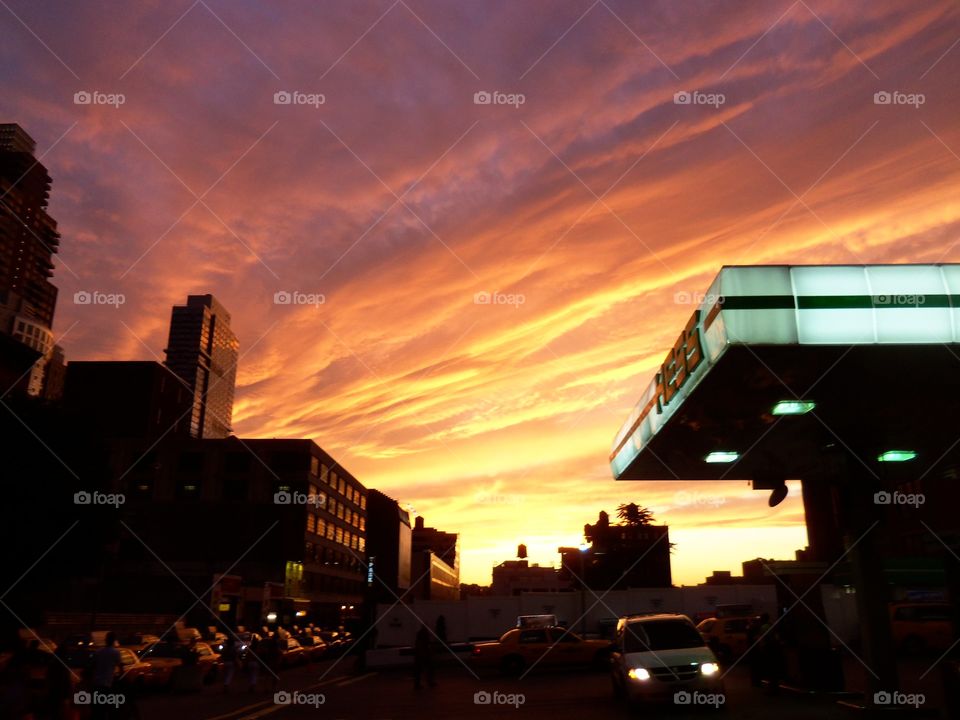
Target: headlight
[(638, 674), (709, 668)]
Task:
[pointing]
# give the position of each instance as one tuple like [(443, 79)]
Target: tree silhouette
[(632, 514)]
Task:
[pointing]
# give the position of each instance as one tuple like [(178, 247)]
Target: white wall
[(491, 616)]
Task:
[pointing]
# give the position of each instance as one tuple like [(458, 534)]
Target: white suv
[(663, 657)]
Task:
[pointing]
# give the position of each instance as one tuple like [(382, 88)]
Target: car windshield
[(660, 635)]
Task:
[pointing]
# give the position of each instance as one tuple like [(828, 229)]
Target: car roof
[(630, 619)]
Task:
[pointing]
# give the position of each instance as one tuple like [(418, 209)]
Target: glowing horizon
[(499, 281)]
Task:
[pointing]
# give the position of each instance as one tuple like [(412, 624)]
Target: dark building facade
[(255, 528), (620, 556), (434, 564), (28, 241), (389, 543), (127, 398), (203, 350), (513, 577)]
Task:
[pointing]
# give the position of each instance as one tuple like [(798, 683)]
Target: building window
[(324, 473), (311, 523), (190, 462), (339, 535), (342, 486), (236, 462), (314, 466), (188, 489), (321, 527), (363, 502), (330, 531), (235, 489), (288, 462)]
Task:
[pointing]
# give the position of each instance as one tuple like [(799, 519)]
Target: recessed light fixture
[(722, 456), (793, 407), (896, 456)]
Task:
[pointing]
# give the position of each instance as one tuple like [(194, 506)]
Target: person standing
[(754, 649), (106, 661), (252, 661), (229, 659), (422, 658), (441, 629)]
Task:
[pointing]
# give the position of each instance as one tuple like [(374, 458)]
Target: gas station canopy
[(777, 357)]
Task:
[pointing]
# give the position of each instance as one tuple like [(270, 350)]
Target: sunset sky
[(598, 207)]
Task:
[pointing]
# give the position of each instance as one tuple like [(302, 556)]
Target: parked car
[(520, 648), (136, 673), (138, 640), (247, 641), (164, 656), (293, 653), (922, 626), (726, 636), (313, 646), (187, 635), (336, 641), (207, 659), (657, 656), (79, 659)]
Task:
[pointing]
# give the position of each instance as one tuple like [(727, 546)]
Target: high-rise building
[(389, 544), (203, 350), (28, 240)]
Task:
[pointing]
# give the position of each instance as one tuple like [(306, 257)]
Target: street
[(331, 690)]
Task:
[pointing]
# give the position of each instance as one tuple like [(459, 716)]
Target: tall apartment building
[(28, 240), (203, 350)]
